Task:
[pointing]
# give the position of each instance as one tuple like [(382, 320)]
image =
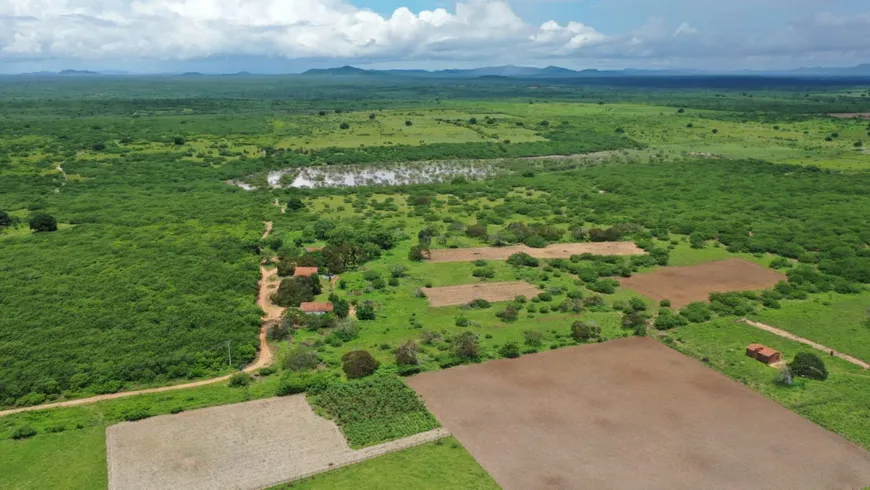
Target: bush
[(279, 332), (510, 350), (696, 312), (23, 432), (301, 358), (522, 259), (479, 304), (665, 303), (636, 304), (312, 382), (809, 365), (509, 314), (533, 338), (239, 380), (462, 321), (5, 219), (585, 331), (466, 346), (406, 354), (667, 320), (41, 222), (344, 125), (136, 414), (604, 286), (484, 272), (476, 231), (358, 364), (365, 311), (346, 330), (419, 253)]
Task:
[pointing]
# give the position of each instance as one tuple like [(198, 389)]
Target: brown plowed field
[(632, 413), (490, 291), (556, 251), (684, 285), (849, 115)]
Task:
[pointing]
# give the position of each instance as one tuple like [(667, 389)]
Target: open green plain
[(151, 276)]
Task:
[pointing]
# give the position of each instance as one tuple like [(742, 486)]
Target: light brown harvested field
[(243, 446), (555, 251), (490, 291), (632, 413), (684, 285), (849, 115)]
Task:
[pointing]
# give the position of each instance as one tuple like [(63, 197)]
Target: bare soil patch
[(632, 413), (850, 115), (684, 285), (490, 291), (555, 251), (243, 446)]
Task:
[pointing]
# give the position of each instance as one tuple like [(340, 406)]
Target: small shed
[(305, 271), (763, 353), (316, 308)]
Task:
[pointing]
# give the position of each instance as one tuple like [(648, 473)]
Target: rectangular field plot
[(684, 285), (555, 251), (631, 413), (490, 291), (243, 446)]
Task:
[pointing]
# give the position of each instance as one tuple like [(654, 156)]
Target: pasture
[(555, 251), (565, 418), (489, 291)]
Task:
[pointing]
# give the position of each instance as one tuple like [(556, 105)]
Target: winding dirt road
[(814, 345), (268, 283)]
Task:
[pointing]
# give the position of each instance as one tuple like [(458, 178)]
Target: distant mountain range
[(512, 71)]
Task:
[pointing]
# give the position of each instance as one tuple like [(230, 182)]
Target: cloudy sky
[(293, 35)]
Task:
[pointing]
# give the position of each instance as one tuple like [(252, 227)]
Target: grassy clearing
[(436, 465), (835, 320), (841, 403), (73, 460)]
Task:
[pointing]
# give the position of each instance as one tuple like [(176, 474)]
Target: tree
[(509, 314), (295, 204), (301, 358), (406, 354), (344, 125), (365, 311), (466, 346), (340, 307), (696, 312), (585, 331), (239, 380), (522, 259), (358, 364), (293, 291), (473, 120), (419, 253), (372, 115), (667, 320), (5, 219), (809, 365), (178, 140), (475, 231), (41, 222), (545, 123), (409, 123)]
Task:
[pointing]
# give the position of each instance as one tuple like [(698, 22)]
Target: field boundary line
[(366, 453), (264, 358), (814, 345)]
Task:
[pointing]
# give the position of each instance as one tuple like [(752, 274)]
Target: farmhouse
[(305, 271), (763, 354), (316, 308)]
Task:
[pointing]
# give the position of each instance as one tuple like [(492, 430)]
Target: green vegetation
[(374, 410), (433, 466)]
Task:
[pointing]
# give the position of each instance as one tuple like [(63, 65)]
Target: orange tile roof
[(767, 352), (316, 307), (305, 271)]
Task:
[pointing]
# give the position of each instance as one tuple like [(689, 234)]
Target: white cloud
[(484, 31)]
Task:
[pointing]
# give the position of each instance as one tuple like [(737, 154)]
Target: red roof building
[(763, 353), (305, 271), (316, 308)]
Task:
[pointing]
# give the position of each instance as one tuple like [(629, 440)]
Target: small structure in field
[(305, 271), (316, 308), (763, 353)]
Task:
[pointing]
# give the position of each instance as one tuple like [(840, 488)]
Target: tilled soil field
[(632, 413), (243, 446), (556, 251), (684, 285), (490, 291)]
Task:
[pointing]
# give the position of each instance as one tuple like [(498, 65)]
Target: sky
[(286, 36)]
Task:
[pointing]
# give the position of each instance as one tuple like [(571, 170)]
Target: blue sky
[(292, 35)]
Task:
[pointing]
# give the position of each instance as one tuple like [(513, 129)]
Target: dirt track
[(814, 345), (264, 355), (555, 251), (242, 446), (490, 291), (850, 115), (632, 413), (684, 285)]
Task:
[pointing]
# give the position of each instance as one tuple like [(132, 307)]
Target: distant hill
[(343, 71), (77, 73)]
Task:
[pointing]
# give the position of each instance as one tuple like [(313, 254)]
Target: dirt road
[(264, 357), (268, 229), (814, 345)]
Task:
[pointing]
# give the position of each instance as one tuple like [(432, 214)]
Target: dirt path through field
[(268, 230), (268, 284), (814, 345)]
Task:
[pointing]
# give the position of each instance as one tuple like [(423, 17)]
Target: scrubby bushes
[(585, 331), (358, 364), (41, 222), (809, 365), (522, 259), (301, 358), (239, 380), (466, 346), (510, 350)]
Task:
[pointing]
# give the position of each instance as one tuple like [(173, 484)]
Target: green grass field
[(436, 465)]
